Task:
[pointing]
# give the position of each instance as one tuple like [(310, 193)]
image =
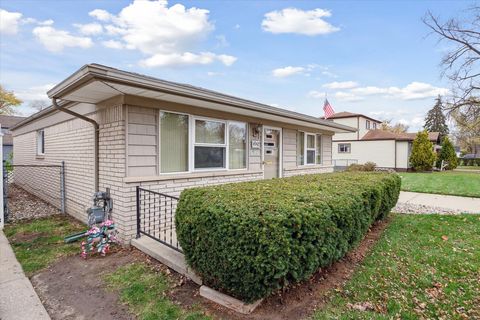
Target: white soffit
[(97, 91)]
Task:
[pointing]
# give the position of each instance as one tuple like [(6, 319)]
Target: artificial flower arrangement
[(99, 238)]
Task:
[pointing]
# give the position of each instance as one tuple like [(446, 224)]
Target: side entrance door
[(271, 152)]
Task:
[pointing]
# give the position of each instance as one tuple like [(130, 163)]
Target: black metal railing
[(156, 217)]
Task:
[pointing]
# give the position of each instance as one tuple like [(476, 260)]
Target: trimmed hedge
[(249, 239)]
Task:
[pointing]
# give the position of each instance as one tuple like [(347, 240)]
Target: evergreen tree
[(422, 157), (448, 153), (435, 120)]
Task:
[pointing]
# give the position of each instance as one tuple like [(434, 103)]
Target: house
[(371, 144), (119, 130), (7, 122)]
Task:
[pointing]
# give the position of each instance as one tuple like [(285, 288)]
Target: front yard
[(456, 183), (423, 266)]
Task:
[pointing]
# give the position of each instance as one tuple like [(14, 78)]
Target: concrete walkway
[(439, 200), (18, 299)]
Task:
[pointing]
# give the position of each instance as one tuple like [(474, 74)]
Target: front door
[(271, 153)]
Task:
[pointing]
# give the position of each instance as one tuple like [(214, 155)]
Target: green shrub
[(367, 166), (448, 154), (252, 238), (422, 157)]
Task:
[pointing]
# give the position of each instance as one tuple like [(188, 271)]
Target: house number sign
[(256, 144)]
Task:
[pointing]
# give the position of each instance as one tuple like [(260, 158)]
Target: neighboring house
[(370, 144), (7, 122), (163, 136)]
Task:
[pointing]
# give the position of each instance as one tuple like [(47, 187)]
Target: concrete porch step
[(169, 257)]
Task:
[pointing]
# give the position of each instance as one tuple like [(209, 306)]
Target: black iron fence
[(45, 182), (156, 217)]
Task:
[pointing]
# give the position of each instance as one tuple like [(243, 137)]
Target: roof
[(346, 114), (94, 83), (9, 121), (403, 136)]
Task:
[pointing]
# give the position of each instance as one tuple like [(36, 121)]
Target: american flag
[(327, 109)]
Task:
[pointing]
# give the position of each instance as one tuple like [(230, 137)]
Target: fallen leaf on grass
[(361, 306), (445, 238)]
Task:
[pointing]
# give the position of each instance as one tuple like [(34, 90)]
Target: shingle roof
[(404, 136), (9, 121)]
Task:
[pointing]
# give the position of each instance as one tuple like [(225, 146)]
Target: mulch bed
[(24, 205), (73, 288)]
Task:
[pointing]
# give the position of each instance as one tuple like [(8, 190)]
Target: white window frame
[(345, 144), (40, 142), (374, 126), (306, 149), (367, 124), (192, 143), (200, 144)]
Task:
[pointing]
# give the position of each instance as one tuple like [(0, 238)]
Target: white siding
[(382, 152)]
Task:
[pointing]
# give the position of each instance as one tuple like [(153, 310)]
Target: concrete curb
[(18, 299), (228, 301)]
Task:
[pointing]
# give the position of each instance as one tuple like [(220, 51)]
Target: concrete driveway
[(438, 200)]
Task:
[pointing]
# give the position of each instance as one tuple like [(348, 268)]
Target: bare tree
[(461, 64), (387, 125), (38, 105)]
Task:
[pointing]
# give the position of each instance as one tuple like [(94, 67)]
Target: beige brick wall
[(70, 141)]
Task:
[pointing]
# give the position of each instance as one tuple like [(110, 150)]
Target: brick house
[(119, 130)]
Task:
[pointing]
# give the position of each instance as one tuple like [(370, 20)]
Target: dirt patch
[(26, 236), (24, 205), (296, 302), (73, 288)]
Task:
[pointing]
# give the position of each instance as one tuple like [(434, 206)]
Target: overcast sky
[(370, 57)]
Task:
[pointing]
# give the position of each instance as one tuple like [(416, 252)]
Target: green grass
[(450, 183), (38, 243), (424, 266), (144, 291)]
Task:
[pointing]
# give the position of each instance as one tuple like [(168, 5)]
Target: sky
[(370, 57)]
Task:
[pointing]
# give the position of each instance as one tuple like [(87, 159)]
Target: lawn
[(38, 243), (424, 266), (144, 290), (450, 183)]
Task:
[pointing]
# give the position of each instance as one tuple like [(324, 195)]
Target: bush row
[(250, 239)]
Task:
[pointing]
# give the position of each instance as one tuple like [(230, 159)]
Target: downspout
[(96, 137)]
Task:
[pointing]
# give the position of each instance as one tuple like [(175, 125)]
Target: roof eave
[(93, 71)]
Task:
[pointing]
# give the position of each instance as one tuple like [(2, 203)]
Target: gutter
[(96, 128)]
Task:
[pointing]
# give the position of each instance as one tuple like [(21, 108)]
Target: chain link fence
[(33, 190)]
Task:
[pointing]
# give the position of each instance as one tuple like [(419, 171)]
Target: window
[(308, 148), (173, 142), (368, 124), (374, 125), (300, 148), (344, 148), (188, 143), (319, 149), (311, 152), (210, 144), (237, 145), (41, 142)]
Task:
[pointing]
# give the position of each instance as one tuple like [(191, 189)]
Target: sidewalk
[(439, 200), (18, 299)]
